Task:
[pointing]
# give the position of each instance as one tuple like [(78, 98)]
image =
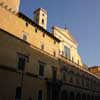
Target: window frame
[(41, 74)]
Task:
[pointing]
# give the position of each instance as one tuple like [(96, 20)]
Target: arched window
[(43, 21)]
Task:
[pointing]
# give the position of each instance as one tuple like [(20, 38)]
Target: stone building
[(95, 70), (38, 65)]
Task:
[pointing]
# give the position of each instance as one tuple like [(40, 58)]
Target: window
[(43, 21), (18, 93), (42, 46), (43, 34), (24, 37), (54, 53), (63, 75), (41, 69), (35, 30), (26, 24), (40, 95), (21, 63), (54, 72), (67, 52)]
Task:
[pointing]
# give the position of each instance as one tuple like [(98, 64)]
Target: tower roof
[(40, 9)]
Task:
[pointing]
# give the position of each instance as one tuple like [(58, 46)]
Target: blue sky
[(82, 17)]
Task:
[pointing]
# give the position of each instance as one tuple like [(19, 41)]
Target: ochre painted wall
[(17, 26), (14, 4)]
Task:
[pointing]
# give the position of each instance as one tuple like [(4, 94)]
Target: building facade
[(38, 65), (95, 70)]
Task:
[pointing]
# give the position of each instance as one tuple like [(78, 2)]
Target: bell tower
[(12, 4), (40, 17)]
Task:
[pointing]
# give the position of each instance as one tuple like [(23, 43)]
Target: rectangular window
[(18, 93), (21, 63), (67, 52), (41, 69), (63, 75), (40, 95), (54, 72)]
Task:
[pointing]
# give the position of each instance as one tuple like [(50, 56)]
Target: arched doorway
[(72, 96), (92, 97), (83, 97), (88, 97), (64, 95), (78, 96)]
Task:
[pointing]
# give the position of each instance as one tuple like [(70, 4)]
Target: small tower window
[(42, 21), (42, 14)]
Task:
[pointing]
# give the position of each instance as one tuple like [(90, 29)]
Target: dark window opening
[(21, 63), (54, 72), (26, 24), (42, 21), (18, 93), (35, 30), (40, 95), (41, 69)]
